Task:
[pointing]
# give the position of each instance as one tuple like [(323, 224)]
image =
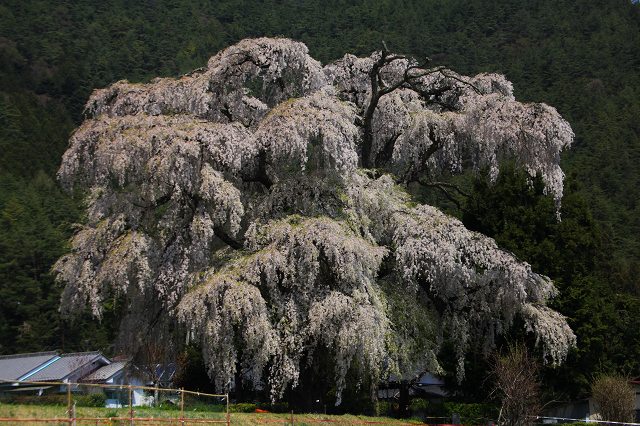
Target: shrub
[(614, 398), (469, 413), (518, 385), (472, 413), (242, 407), (53, 399), (91, 400), (387, 408), (277, 407)]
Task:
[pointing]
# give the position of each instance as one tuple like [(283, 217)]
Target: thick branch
[(448, 196), (436, 143), (378, 89), (409, 80), (444, 187)]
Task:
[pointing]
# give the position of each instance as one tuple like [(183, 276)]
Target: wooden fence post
[(130, 406), (69, 411), (182, 406), (228, 416)]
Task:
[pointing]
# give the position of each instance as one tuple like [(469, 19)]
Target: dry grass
[(14, 412)]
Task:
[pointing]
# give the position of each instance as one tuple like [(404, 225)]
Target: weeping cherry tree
[(259, 206)]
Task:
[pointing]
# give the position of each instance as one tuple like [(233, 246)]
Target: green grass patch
[(32, 411)]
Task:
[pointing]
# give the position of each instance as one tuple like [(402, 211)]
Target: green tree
[(575, 254)]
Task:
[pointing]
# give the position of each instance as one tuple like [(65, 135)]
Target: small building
[(116, 377), (49, 372), (70, 368), (20, 371), (425, 385), (580, 409)]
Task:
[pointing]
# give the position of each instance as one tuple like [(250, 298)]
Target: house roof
[(428, 379), (163, 372), (14, 367), (106, 372), (425, 384), (168, 371), (66, 365), (424, 379)]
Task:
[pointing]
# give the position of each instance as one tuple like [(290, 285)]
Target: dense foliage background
[(581, 57)]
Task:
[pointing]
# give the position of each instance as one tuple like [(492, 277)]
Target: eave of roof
[(106, 372)]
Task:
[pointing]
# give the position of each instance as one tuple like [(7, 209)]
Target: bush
[(167, 404), (387, 408), (614, 398), (277, 407), (517, 383), (469, 413), (472, 413), (418, 404), (202, 404), (91, 400), (53, 399), (242, 407)]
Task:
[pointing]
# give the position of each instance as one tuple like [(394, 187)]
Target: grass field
[(13, 414)]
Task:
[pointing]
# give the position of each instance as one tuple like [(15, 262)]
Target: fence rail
[(174, 397), (185, 412)]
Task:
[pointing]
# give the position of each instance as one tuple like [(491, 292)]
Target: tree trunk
[(405, 400), (237, 391)]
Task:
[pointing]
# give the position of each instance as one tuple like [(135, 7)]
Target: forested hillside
[(584, 59)]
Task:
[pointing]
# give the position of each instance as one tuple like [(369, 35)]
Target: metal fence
[(76, 404)]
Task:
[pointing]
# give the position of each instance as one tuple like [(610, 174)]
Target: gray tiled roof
[(67, 364), (12, 367), (104, 373)]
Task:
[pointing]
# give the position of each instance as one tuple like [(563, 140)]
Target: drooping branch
[(413, 73)]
